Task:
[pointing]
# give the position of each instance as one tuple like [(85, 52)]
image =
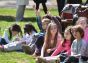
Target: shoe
[(26, 49), (41, 60), (36, 54)]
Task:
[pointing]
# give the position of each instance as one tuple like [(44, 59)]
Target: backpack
[(82, 11)]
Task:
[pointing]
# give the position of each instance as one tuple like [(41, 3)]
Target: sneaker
[(26, 49), (36, 53), (41, 60)]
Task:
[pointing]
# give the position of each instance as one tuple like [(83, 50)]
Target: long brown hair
[(48, 36), (72, 38)]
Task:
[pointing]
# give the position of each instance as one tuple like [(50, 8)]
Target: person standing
[(21, 4), (60, 5), (37, 2)]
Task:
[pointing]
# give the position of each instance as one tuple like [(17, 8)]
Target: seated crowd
[(58, 40)]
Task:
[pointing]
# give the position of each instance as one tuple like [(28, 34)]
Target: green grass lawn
[(15, 57), (7, 18)]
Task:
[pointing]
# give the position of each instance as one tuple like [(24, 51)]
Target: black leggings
[(60, 5), (44, 7)]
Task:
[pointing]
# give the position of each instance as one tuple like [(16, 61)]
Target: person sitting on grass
[(29, 32), (52, 37), (40, 40), (83, 21), (77, 45), (11, 34)]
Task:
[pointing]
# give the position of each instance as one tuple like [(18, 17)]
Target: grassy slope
[(7, 17)]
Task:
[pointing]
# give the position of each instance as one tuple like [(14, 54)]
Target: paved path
[(12, 3)]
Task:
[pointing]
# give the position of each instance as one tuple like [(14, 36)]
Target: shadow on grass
[(7, 18), (12, 19)]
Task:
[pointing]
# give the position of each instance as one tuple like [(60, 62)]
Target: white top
[(5, 36), (28, 38)]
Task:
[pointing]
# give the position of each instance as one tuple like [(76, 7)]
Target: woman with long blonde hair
[(51, 37)]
